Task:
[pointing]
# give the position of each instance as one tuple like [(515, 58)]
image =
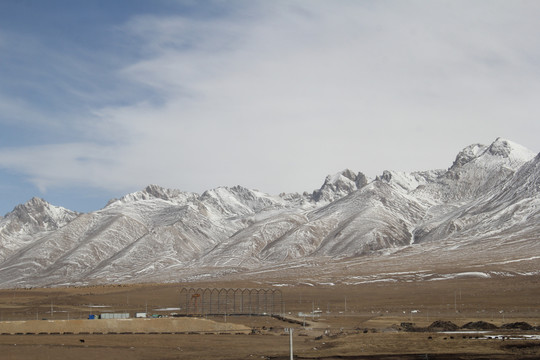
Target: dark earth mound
[(521, 325), (440, 325), (479, 325)]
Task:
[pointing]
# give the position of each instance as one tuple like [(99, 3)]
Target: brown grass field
[(357, 322)]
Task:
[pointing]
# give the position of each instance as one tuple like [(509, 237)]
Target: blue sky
[(101, 98)]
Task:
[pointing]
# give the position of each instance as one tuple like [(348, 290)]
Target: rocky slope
[(489, 196)]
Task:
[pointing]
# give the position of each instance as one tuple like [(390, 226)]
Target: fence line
[(231, 301)]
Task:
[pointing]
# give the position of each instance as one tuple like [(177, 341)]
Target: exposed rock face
[(338, 185), (490, 194)]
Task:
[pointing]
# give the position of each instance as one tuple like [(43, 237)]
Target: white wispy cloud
[(277, 94)]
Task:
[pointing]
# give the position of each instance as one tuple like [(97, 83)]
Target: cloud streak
[(276, 95)]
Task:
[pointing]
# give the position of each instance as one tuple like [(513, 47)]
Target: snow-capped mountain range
[(482, 211)]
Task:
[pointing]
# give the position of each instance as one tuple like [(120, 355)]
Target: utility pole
[(290, 331), (460, 301), (290, 343)]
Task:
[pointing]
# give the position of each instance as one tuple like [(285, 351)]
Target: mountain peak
[(40, 214), (340, 184), (158, 191), (467, 154), (506, 148), (35, 204), (359, 179), (153, 191), (500, 148)]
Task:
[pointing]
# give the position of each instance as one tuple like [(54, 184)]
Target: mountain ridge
[(489, 193)]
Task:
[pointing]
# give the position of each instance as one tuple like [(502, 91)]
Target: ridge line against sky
[(101, 98)]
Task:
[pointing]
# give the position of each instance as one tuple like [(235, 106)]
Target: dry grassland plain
[(356, 322)]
